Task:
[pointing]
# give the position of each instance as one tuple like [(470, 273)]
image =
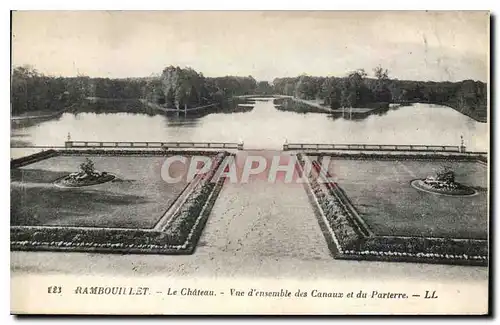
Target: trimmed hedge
[(185, 218), (346, 232), (398, 156), (26, 160)]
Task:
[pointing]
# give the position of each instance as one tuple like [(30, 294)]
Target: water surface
[(264, 127)]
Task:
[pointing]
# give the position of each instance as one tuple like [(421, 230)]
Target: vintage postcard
[(250, 162)]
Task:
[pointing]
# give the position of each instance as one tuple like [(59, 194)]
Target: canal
[(263, 127)]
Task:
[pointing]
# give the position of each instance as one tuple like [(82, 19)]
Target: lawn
[(381, 193), (137, 198)]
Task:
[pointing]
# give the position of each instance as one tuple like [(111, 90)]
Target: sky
[(420, 45)]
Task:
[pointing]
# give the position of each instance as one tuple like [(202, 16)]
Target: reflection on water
[(265, 127), (357, 116)]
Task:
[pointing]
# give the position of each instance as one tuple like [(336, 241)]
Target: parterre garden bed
[(358, 229), (177, 236)]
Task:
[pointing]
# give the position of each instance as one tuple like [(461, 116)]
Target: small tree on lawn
[(87, 167)]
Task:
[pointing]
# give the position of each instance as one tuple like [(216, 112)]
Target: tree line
[(177, 87), (358, 90), (34, 91)]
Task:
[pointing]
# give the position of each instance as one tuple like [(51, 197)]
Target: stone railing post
[(462, 145)]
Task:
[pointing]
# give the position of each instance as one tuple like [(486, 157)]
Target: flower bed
[(68, 181), (454, 189), (86, 239), (180, 237), (353, 240), (423, 249)]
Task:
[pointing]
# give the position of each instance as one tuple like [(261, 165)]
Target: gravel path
[(250, 219)]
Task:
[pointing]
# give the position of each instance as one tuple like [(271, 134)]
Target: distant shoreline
[(326, 109), (36, 115)]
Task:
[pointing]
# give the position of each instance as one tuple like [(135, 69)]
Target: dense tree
[(308, 87), (32, 91), (331, 91), (264, 88), (154, 92), (381, 91), (355, 93)]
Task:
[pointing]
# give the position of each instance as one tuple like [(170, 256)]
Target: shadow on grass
[(479, 188), (42, 205), (40, 176), (35, 175)]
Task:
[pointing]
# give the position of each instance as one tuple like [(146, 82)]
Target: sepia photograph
[(250, 162)]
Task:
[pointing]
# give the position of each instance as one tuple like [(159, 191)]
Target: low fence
[(372, 147), (159, 145)]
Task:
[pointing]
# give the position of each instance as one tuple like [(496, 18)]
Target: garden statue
[(443, 183), (444, 178), (87, 175)]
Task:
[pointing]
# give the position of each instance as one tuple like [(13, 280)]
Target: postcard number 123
[(54, 289)]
